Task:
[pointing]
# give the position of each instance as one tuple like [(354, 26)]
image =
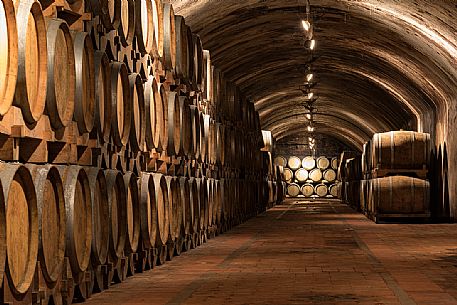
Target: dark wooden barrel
[(217, 212), (162, 208), (204, 134), (182, 48), (186, 205), (9, 49), (102, 96), (154, 114), (400, 150), (329, 175), (335, 163), (169, 37), (174, 207), (60, 91), (162, 118), (20, 206), (109, 11), (84, 113), (203, 199), (207, 77), (121, 106), (195, 122), (32, 61), (281, 161), (334, 190), (144, 25), (400, 195), (126, 29), (366, 158), (157, 17), (100, 215), (225, 199), (220, 143), (210, 192), (174, 127), (185, 126), (293, 190), (195, 205), (197, 61), (117, 202), (51, 221), (132, 212), (322, 163), (138, 119), (78, 206), (321, 190), (148, 210)]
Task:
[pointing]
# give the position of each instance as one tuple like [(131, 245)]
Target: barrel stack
[(392, 184), (122, 146), (309, 177)]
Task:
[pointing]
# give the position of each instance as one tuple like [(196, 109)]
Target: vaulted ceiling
[(380, 64)]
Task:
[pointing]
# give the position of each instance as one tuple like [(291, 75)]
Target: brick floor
[(318, 253)]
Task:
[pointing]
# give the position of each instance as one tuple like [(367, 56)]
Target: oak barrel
[(301, 175), (210, 192), (78, 206), (169, 37), (132, 212), (148, 210), (138, 119), (174, 127), (144, 25), (281, 161), (103, 111), (308, 163), (182, 48), (174, 206), (186, 213), (220, 143), (117, 202), (203, 200), (51, 220), (162, 117), (315, 175), (61, 80), (293, 190), (100, 215), (157, 17), (333, 190), (334, 163), (400, 195), (161, 201), (307, 190), (204, 135), (32, 61), (217, 212), (195, 123), (400, 150), (288, 175), (9, 59), (20, 206), (322, 163), (121, 106), (126, 29), (185, 126), (321, 190), (329, 175), (154, 113), (207, 79), (294, 163), (197, 61), (195, 205), (84, 113)]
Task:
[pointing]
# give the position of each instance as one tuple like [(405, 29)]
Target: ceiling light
[(309, 77), (312, 44), (310, 128), (310, 95), (306, 25), (309, 116)]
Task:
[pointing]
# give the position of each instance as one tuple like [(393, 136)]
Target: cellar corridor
[(319, 252)]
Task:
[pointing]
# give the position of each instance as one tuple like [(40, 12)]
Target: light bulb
[(306, 25), (312, 44), (309, 77), (308, 116), (310, 95)]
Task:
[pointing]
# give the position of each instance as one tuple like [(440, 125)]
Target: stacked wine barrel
[(389, 181), (121, 146), (309, 177)]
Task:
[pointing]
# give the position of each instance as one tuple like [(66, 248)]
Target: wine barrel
[(315, 175), (353, 169), (195, 205), (117, 203), (186, 205), (197, 61), (79, 214), (109, 12), (174, 206), (157, 17), (329, 175), (9, 51), (162, 118), (195, 122), (322, 163), (51, 221), (321, 190), (61, 83), (364, 186), (294, 163), (148, 209), (210, 192), (226, 196), (174, 125), (121, 106), (100, 215), (154, 114), (126, 29), (169, 37), (366, 158), (334, 163), (138, 118), (400, 150), (161, 196), (144, 25), (400, 195), (220, 143), (102, 96), (301, 175), (293, 190), (207, 79), (32, 61), (19, 206), (268, 141), (132, 213), (203, 200), (217, 212), (281, 161), (307, 190), (84, 113), (185, 126), (333, 190), (308, 163), (288, 175), (182, 48)]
